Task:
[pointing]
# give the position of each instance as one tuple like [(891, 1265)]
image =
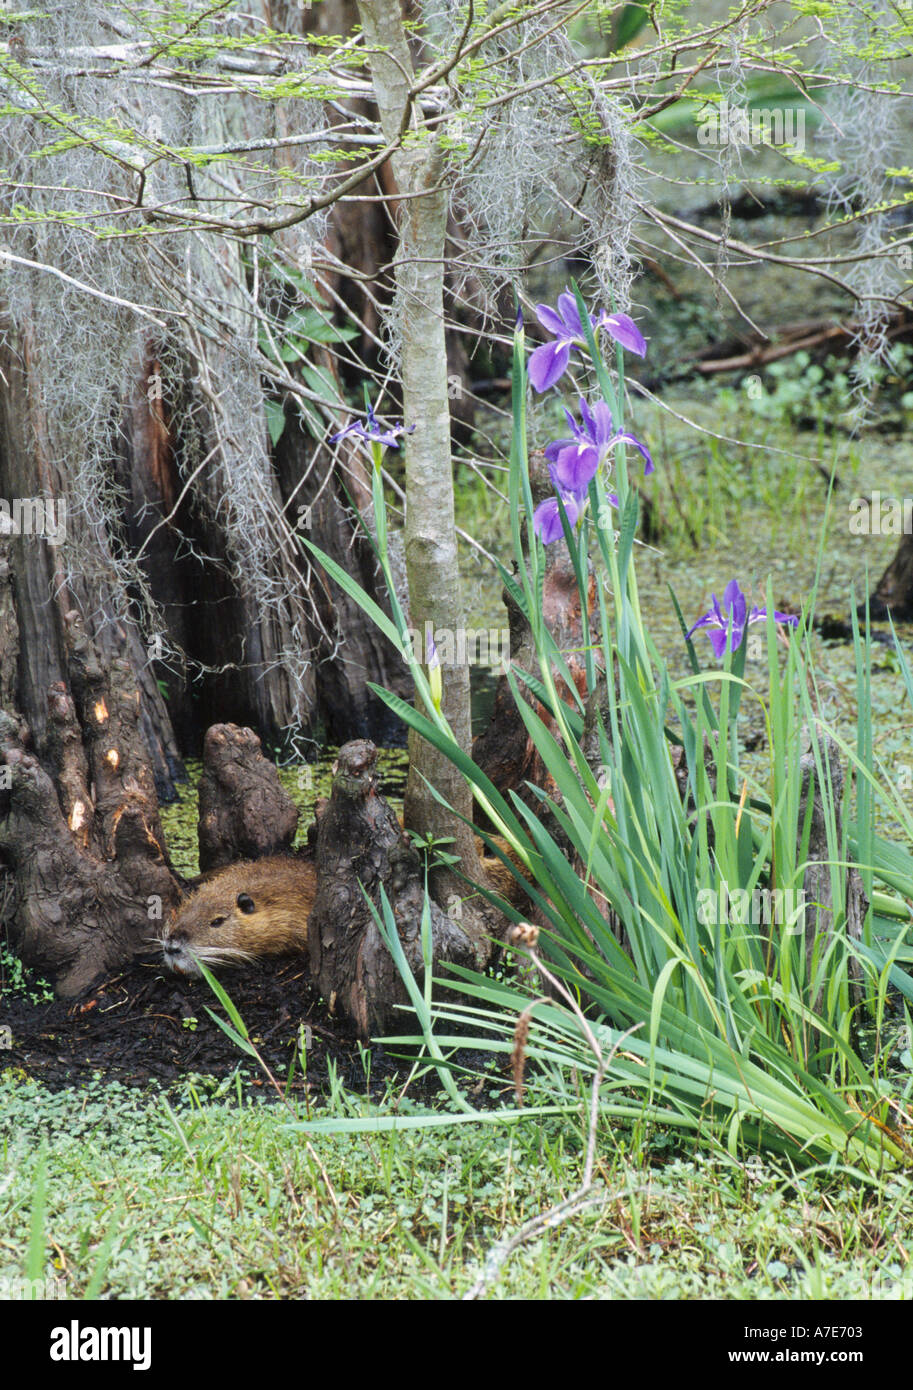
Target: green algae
[(304, 782)]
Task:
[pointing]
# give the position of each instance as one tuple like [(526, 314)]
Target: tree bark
[(38, 597), (91, 877), (348, 649), (361, 846), (245, 813), (894, 590), (432, 569)]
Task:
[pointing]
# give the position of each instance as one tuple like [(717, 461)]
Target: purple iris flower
[(727, 621), (547, 516), (374, 432), (590, 445), (573, 464), (550, 361)]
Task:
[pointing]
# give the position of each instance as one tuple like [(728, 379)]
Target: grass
[(195, 1195)]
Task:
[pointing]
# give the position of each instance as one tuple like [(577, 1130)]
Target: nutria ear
[(246, 903)]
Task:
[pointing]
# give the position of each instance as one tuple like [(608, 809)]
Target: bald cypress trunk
[(432, 568), (84, 733)]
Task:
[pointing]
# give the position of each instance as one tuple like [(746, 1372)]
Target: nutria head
[(256, 908)]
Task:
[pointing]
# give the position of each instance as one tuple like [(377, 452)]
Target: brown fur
[(210, 924)]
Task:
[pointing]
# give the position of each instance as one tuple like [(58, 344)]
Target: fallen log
[(807, 336)]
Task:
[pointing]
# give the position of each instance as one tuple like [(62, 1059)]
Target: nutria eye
[(217, 921), (246, 903)]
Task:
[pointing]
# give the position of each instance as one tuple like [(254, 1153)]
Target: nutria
[(251, 909), (260, 908)]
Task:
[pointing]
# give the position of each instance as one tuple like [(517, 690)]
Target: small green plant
[(801, 391), (434, 852), (17, 980)]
